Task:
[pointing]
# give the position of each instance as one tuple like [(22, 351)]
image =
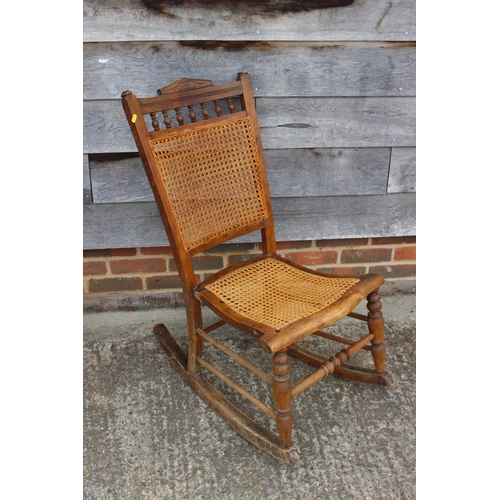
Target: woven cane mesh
[(213, 179), (276, 294)]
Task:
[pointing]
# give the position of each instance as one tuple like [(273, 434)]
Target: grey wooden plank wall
[(335, 94)]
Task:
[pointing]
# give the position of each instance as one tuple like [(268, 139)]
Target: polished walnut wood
[(201, 149)]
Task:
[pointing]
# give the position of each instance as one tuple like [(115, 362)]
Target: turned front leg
[(376, 326), (282, 391)]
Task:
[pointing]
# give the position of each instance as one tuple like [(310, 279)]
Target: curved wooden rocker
[(210, 184)]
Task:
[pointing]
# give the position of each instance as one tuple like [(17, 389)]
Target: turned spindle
[(192, 114), (376, 326), (282, 391), (166, 119), (154, 122), (179, 117), (230, 104), (218, 109), (204, 111)]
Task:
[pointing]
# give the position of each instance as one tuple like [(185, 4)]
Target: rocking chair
[(210, 184)]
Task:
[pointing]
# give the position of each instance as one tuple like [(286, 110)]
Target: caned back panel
[(213, 180)]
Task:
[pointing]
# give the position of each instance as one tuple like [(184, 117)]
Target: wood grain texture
[(291, 172), (87, 188), (124, 225), (341, 122), (132, 20), (278, 69), (327, 171), (337, 122), (344, 217), (120, 181), (403, 171)]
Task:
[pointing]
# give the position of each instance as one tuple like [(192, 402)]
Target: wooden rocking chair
[(210, 184)]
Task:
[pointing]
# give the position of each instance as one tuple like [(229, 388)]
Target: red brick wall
[(147, 277)]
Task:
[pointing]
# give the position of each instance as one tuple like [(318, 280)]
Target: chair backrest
[(206, 168)]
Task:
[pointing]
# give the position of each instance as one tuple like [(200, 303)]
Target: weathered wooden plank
[(327, 171), (87, 189), (345, 216), (122, 20), (277, 69), (120, 181), (105, 129), (402, 173), (291, 172), (121, 225), (338, 122)]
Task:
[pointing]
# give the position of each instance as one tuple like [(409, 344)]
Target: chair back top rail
[(191, 97), (185, 84)]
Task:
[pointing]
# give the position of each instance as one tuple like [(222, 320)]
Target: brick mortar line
[(368, 264), (214, 270), (179, 290), (108, 260), (225, 259), (225, 255), (134, 292), (146, 274), (348, 247)]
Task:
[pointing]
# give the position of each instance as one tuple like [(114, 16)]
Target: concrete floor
[(148, 436)]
